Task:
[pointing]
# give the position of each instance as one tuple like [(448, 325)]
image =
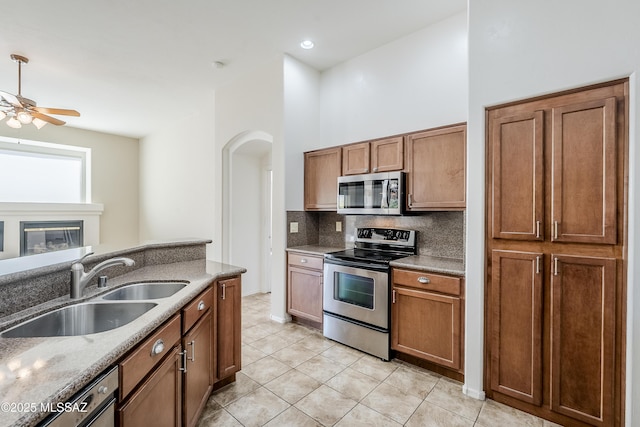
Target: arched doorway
[(246, 208)]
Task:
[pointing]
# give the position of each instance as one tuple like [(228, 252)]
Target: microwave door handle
[(385, 194)]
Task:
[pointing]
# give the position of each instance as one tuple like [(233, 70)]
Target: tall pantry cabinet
[(557, 169)]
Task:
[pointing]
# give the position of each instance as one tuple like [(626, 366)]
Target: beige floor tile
[(293, 417), (353, 384), (257, 408), (392, 402), (321, 368), (265, 369), (412, 381), (497, 414), (342, 354), (250, 354), (448, 395), (362, 416), (317, 343), (270, 344), (325, 405), (293, 386), (294, 355), (374, 367), (430, 415), (243, 385), (219, 418), (254, 333)]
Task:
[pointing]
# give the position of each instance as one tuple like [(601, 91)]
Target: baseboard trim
[(476, 394)]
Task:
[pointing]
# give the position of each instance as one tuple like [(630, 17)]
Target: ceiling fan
[(22, 111)]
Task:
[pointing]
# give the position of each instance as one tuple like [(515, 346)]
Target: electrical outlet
[(293, 227), (338, 225)]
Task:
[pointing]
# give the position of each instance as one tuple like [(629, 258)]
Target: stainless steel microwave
[(371, 194)]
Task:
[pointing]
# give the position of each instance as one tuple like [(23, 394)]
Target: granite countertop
[(50, 370), (433, 264), (314, 249)]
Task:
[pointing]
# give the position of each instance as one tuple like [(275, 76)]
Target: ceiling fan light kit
[(22, 111)]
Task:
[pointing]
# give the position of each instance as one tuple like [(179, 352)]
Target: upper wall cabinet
[(321, 171), (380, 155), (435, 163)]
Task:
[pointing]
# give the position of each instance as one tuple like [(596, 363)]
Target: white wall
[(254, 104), (523, 49), (301, 124), (114, 175), (414, 83), (177, 181), (247, 208)]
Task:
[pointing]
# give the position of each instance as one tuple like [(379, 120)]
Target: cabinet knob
[(103, 389), (158, 347), (375, 169), (303, 261), (424, 280), (201, 306)]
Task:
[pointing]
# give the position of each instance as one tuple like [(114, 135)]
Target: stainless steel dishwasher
[(93, 406)]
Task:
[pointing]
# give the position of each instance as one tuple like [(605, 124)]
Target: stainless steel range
[(357, 292)]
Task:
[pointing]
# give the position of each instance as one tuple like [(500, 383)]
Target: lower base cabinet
[(426, 317), (158, 401), (166, 380), (304, 286)]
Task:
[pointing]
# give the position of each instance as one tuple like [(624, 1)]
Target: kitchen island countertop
[(35, 372)]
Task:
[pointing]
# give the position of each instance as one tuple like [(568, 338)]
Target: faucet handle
[(83, 257)]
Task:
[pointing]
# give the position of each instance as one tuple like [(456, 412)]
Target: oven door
[(357, 293)]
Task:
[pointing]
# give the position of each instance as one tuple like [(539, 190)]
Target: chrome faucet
[(80, 279)]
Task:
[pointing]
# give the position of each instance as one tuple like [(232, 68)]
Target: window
[(41, 172)]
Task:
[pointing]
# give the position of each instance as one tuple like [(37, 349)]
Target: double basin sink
[(115, 309)]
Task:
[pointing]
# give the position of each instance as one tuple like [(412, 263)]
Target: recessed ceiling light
[(307, 44)]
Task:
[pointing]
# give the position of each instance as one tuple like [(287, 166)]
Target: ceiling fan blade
[(47, 119), (57, 111), (11, 99)]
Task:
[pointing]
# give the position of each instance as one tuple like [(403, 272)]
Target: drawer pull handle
[(303, 261), (424, 280), (158, 347), (224, 291), (193, 351), (201, 306)]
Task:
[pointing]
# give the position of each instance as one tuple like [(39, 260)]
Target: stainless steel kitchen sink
[(80, 319), (144, 291)]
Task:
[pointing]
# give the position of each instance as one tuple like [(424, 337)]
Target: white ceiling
[(129, 65)]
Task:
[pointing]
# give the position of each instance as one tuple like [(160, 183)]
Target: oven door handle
[(357, 264)]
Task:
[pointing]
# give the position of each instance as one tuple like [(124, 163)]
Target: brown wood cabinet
[(380, 155), (158, 401), (426, 317), (435, 163), (167, 378), (197, 342), (228, 326), (555, 289), (321, 171), (304, 286)]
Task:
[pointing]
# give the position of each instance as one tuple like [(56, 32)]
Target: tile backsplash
[(439, 233)]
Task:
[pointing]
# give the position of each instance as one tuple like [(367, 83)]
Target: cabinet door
[(583, 334), (435, 163), (584, 172), (304, 293), (355, 159), (516, 325), (426, 325), (228, 327), (198, 376), (387, 154), (158, 401), (321, 171), (517, 177)]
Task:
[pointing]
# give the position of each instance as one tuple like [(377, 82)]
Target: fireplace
[(38, 237)]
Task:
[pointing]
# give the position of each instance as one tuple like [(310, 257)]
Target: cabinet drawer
[(427, 281), (306, 261), (146, 355), (195, 309)]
